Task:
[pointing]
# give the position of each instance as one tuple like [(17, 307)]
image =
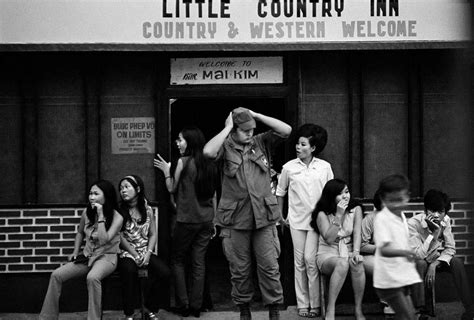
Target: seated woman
[(138, 241), (99, 225), (337, 219)]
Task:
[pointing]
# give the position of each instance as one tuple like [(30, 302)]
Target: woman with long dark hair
[(138, 242), (194, 183), (337, 218), (99, 226)]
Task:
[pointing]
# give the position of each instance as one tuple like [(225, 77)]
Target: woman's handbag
[(81, 259)]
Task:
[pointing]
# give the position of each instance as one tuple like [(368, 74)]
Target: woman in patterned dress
[(138, 241)]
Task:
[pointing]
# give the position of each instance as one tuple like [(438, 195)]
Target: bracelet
[(149, 250), (336, 223), (166, 177), (101, 221)]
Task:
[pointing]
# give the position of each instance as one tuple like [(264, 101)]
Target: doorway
[(209, 115)]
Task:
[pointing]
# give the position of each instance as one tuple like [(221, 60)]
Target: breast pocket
[(232, 162), (259, 158), (230, 168)]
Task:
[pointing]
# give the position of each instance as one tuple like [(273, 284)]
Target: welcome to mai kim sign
[(181, 22)]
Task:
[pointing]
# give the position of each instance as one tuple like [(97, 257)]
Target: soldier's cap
[(243, 118)]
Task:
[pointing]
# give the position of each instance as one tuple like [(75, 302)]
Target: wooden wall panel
[(325, 102), (61, 135), (127, 92), (447, 125), (11, 142), (385, 119), (385, 112)]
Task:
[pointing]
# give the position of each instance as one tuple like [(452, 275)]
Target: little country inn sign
[(221, 22)]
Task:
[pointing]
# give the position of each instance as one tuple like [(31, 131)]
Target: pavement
[(444, 311)]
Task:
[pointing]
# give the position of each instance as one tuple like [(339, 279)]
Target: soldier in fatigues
[(248, 211)]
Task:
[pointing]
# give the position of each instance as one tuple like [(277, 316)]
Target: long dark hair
[(139, 186), (109, 206), (205, 183), (327, 204)]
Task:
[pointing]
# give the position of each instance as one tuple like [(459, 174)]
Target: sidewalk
[(445, 311)]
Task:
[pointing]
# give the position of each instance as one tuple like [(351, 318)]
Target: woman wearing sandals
[(303, 179), (138, 242), (338, 220), (99, 228)]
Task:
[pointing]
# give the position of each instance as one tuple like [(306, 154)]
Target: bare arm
[(327, 230), (280, 127), (356, 234), (212, 146), (214, 202), (387, 250), (152, 234), (367, 230), (125, 245), (104, 235), (171, 181), (79, 237), (151, 243), (281, 201)]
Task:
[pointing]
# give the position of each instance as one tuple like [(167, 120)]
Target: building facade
[(82, 100)]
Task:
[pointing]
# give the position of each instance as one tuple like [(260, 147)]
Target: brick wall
[(36, 240), (39, 240)]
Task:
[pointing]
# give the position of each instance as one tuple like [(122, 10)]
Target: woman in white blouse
[(303, 179)]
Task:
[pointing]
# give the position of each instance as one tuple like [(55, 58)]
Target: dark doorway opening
[(209, 115)]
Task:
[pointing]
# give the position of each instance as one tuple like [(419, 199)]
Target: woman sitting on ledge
[(337, 219), (138, 242), (99, 225)]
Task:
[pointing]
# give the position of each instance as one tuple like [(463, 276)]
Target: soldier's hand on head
[(229, 122)]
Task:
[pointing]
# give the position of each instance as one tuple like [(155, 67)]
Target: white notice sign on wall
[(240, 70), (133, 135)]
